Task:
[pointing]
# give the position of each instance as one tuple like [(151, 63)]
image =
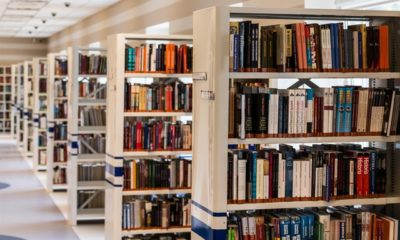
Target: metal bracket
[(304, 81), (89, 199), (199, 76), (87, 145)]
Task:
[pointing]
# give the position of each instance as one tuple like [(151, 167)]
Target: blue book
[(309, 101), (295, 227), (339, 109), (337, 50), (360, 55), (342, 230), (304, 226), (333, 55), (236, 50), (284, 226), (146, 139), (253, 174), (348, 109), (288, 174), (310, 226), (372, 171)]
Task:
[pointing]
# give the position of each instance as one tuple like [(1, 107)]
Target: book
[(92, 64)]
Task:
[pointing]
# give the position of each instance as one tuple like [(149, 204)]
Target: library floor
[(27, 210)]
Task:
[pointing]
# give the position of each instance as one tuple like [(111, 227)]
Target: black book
[(254, 46), (248, 121), (261, 112)]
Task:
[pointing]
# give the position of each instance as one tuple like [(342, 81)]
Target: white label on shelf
[(199, 76), (208, 95)]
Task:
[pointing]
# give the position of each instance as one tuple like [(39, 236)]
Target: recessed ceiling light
[(44, 21), (36, 27)]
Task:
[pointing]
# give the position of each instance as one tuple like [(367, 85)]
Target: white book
[(266, 179), (276, 112), (355, 50), (323, 47), (351, 176), (281, 176), (260, 179), (153, 58), (252, 226), (296, 178), (292, 111), (245, 226), (301, 126), (305, 178), (242, 179), (235, 177), (328, 48), (325, 94)]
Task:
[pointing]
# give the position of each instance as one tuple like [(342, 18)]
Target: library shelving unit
[(40, 86), (116, 156), (211, 90), (14, 110), (5, 100), (57, 119), (20, 105), (87, 86), (28, 108)]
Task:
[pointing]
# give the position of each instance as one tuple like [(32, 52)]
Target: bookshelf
[(14, 111), (40, 85), (28, 109), (211, 93), (118, 157), (20, 104), (57, 120), (87, 87), (5, 99)]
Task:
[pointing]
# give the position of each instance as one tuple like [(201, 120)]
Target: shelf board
[(155, 153), (42, 130), (92, 102), (42, 76), (92, 130), (156, 114), (314, 139), (90, 214), (307, 204), (61, 98), (157, 75), (41, 148), (41, 168), (42, 94), (91, 185), (60, 163), (155, 191), (92, 75), (59, 120), (297, 75), (60, 76), (60, 141), (60, 186), (97, 157), (126, 233)]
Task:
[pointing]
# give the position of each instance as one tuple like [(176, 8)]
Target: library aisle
[(26, 209)]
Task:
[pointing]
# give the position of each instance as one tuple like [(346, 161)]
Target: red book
[(139, 127), (260, 228), (172, 128), (308, 46), (360, 177), (168, 98), (299, 47), (366, 174), (160, 135)]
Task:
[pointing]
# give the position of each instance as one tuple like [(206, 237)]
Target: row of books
[(60, 153), (42, 122), (88, 143), (92, 64), (313, 224), (320, 172), (176, 96), (60, 88), (60, 131), (91, 172), (60, 109), (43, 85), (43, 69), (42, 155), (61, 66), (168, 58), (162, 173), (91, 199), (308, 47), (60, 175), (90, 88), (258, 111), (42, 140), (157, 135), (163, 213), (92, 116)]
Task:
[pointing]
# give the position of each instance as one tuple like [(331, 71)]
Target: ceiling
[(34, 18)]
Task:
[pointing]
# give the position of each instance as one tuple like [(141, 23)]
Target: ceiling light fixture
[(53, 14), (44, 21)]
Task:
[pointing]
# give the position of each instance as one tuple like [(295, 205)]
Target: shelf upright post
[(114, 142), (210, 117), (14, 108)]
